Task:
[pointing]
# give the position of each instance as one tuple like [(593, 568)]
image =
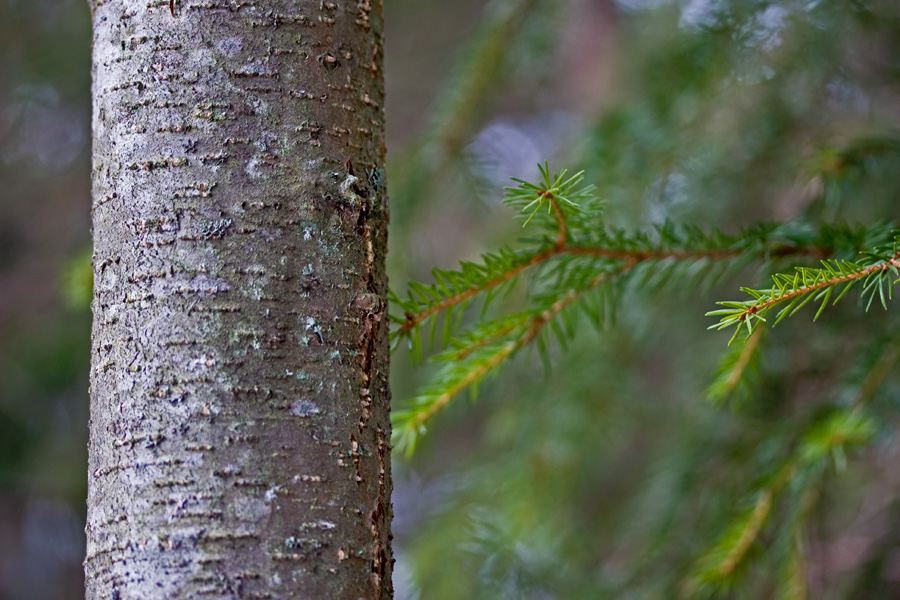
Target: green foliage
[(875, 273), (78, 280), (747, 145), (557, 192), (737, 372), (577, 270), (721, 567)]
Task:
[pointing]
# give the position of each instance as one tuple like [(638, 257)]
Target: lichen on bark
[(239, 404)]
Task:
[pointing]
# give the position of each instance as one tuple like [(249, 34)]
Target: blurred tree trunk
[(239, 403)]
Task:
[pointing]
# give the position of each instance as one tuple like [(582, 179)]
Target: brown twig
[(560, 219)]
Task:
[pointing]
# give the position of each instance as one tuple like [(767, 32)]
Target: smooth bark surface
[(239, 437)]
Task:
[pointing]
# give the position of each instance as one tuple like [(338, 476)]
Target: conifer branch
[(467, 350), (417, 422), (575, 255), (883, 367), (799, 288), (460, 375), (795, 586), (757, 518), (743, 361), (411, 321), (736, 367), (568, 201), (823, 439)]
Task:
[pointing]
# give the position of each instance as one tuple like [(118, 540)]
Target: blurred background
[(606, 476)]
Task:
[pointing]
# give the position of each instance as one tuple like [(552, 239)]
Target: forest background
[(647, 459)]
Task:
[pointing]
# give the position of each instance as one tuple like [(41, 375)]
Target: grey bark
[(239, 435)]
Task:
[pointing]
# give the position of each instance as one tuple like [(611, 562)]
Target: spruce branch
[(880, 371), (575, 229), (425, 302), (561, 219), (473, 358), (454, 288), (464, 284), (794, 574), (737, 367), (824, 439), (827, 439), (792, 291), (409, 424), (722, 560), (566, 199), (573, 255)]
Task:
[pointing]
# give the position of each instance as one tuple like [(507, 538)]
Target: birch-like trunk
[(239, 437)]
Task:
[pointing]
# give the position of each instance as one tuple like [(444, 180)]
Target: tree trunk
[(239, 437)]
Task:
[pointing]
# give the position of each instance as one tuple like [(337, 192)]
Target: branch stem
[(632, 257)]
